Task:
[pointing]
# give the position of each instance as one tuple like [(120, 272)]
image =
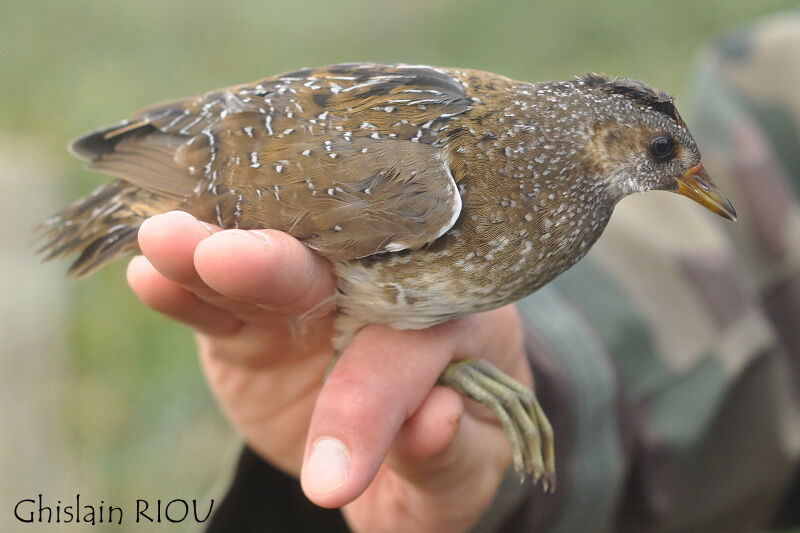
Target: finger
[(273, 269), (440, 446), (444, 465), (170, 299), (378, 383), (168, 240), (430, 430)]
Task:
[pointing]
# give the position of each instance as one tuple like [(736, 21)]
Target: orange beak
[(697, 185)]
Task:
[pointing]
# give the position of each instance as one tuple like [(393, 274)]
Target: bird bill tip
[(697, 185)]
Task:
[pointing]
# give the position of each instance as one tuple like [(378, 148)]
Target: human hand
[(417, 456)]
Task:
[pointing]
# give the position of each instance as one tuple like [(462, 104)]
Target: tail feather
[(143, 155), (101, 226)]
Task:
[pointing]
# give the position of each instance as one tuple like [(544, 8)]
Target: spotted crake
[(435, 192)]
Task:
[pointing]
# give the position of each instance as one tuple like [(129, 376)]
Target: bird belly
[(373, 294), (411, 290)]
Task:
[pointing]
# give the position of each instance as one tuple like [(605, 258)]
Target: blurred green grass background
[(116, 407)]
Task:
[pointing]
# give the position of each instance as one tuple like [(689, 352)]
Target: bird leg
[(518, 411)]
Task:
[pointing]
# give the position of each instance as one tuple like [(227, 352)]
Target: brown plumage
[(435, 192)]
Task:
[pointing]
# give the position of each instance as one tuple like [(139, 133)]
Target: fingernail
[(257, 235), (209, 228), (327, 466), (178, 212)]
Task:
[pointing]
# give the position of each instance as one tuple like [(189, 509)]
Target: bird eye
[(662, 148)]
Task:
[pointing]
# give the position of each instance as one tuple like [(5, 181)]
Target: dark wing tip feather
[(93, 145)]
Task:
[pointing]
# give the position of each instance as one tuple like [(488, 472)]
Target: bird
[(434, 192)]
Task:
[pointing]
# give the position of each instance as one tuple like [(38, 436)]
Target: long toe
[(518, 411)]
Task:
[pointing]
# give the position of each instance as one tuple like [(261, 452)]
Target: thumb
[(377, 384)]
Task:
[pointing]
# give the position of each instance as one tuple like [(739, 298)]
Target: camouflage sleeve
[(747, 105), (667, 359)]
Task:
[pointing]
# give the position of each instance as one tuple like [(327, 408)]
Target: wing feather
[(348, 158)]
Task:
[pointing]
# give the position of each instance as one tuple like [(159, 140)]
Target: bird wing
[(348, 158)]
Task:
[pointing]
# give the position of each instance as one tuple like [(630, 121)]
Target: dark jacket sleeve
[(261, 498)]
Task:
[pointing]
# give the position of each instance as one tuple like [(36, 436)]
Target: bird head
[(639, 142)]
